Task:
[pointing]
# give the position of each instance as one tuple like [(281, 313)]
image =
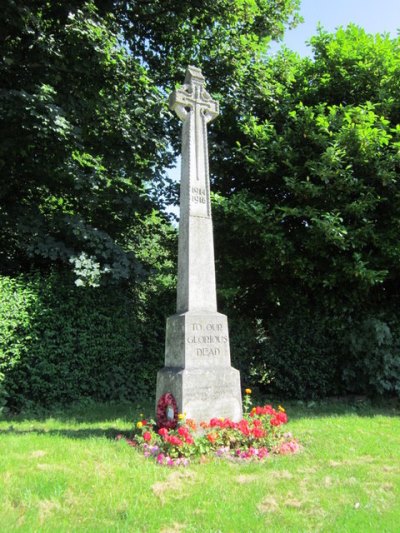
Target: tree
[(85, 131), (308, 177)]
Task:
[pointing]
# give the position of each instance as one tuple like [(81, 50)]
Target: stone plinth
[(203, 393)]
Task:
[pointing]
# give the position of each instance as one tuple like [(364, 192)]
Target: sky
[(375, 16)]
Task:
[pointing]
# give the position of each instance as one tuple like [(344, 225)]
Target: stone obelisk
[(197, 368)]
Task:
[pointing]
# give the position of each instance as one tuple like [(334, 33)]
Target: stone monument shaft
[(196, 272), (197, 371)]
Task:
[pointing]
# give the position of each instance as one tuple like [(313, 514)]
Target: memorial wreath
[(167, 411)]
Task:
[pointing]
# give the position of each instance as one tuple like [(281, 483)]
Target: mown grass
[(66, 472)]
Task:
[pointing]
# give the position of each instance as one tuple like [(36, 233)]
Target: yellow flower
[(181, 416), (281, 409), (247, 391), (139, 425)]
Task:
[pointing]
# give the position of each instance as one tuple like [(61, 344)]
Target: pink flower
[(160, 458), (289, 447), (263, 452), (269, 410)]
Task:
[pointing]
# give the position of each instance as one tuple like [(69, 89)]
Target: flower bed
[(256, 437)]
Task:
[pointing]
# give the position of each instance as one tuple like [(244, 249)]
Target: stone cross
[(197, 369), (196, 271)]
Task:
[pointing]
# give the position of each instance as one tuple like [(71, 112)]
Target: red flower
[(144, 422), (244, 427), (189, 440), (230, 424), (147, 436), (275, 421), (163, 432), (175, 441), (282, 417), (258, 433), (182, 431)]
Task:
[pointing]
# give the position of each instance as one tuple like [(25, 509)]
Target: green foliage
[(374, 365), (61, 344), (307, 207), (85, 133), (294, 355), (312, 181), (80, 119)]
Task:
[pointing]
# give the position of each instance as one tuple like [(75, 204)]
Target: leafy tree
[(308, 177), (78, 127), (307, 215), (86, 136)]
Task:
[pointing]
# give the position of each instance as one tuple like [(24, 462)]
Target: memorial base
[(203, 393)]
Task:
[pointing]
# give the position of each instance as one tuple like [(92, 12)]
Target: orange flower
[(212, 437), (191, 423), (247, 391)]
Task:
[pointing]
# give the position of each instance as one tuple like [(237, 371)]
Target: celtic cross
[(196, 270)]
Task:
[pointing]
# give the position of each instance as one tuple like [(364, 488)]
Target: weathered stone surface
[(203, 393), (197, 340), (198, 368)]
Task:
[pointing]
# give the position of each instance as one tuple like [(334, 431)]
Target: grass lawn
[(65, 472)]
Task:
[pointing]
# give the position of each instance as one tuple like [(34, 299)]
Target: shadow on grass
[(87, 433), (347, 406), (123, 413), (85, 413)]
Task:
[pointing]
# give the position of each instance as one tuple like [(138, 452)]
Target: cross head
[(193, 96)]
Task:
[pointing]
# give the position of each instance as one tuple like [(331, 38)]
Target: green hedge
[(295, 355), (308, 353), (60, 343)]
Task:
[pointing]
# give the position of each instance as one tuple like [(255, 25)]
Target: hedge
[(60, 343)]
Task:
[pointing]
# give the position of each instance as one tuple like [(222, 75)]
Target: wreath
[(167, 411)]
